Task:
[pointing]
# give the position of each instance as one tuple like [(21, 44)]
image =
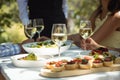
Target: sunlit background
[(11, 28)]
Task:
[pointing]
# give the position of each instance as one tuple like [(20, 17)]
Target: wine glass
[(39, 24), (85, 30), (30, 29), (59, 35)]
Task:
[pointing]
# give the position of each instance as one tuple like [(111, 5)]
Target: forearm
[(23, 13), (75, 38), (65, 8), (105, 30), (9, 49)]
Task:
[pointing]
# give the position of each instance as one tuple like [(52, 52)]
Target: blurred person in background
[(108, 15), (52, 11)]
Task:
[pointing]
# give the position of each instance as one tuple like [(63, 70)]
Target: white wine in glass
[(30, 29), (85, 29), (39, 24), (59, 35)]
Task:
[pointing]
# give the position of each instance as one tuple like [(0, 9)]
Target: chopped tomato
[(58, 64), (71, 62), (87, 57), (108, 59), (98, 60), (96, 51), (51, 63), (77, 60)]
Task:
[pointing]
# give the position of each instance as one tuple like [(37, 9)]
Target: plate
[(41, 60), (78, 72), (46, 50)]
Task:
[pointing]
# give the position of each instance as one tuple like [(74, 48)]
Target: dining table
[(11, 72)]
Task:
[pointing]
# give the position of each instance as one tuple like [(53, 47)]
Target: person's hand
[(89, 44), (76, 38), (27, 41), (42, 38), (83, 43), (24, 42)]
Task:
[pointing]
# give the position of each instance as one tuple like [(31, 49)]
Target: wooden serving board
[(66, 73)]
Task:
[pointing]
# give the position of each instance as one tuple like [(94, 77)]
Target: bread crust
[(84, 66), (108, 63), (57, 69), (97, 65), (117, 60), (70, 66)]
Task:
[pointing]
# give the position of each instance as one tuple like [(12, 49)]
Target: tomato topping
[(108, 59), (98, 60), (96, 52), (71, 62), (100, 50), (87, 57), (51, 63), (78, 61), (58, 64)]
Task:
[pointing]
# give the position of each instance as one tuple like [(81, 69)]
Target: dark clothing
[(51, 12)]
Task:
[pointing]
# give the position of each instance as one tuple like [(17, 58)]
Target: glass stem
[(39, 35), (85, 46), (79, 53), (31, 38), (59, 50)]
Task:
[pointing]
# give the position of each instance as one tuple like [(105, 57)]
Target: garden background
[(11, 28)]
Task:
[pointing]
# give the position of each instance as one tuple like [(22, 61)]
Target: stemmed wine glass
[(59, 35), (85, 30), (30, 29), (39, 24)]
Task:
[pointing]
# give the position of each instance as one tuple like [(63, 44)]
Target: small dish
[(41, 60)]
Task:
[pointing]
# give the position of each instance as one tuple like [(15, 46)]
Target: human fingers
[(43, 38), (27, 41), (83, 44)]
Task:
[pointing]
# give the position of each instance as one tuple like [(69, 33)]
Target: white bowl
[(28, 63), (44, 50)]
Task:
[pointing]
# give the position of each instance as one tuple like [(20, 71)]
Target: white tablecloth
[(11, 72)]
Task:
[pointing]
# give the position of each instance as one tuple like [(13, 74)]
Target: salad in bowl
[(46, 47)]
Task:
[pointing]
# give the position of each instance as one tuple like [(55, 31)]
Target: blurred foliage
[(8, 12), (11, 28), (81, 9), (10, 25)]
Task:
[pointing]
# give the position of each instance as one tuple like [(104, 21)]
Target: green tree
[(82, 8), (8, 19)]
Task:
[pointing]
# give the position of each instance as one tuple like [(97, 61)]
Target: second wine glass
[(39, 24), (30, 29), (59, 35), (85, 30)]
